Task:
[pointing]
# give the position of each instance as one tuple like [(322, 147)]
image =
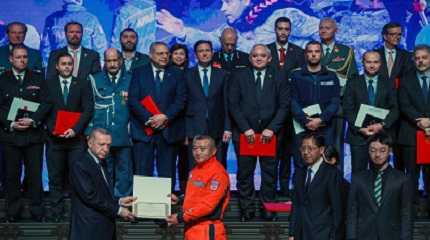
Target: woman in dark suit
[(179, 58)]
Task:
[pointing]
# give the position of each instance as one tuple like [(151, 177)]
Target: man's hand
[(313, 124), (158, 120), (250, 136), (427, 132), (18, 126), (423, 123), (126, 214), (127, 201), (170, 24), (174, 199), (366, 131), (226, 136), (375, 128), (25, 121), (69, 133), (172, 219), (266, 135), (290, 238)]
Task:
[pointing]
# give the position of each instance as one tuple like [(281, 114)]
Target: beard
[(128, 47)]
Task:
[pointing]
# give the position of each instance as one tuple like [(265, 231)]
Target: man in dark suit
[(229, 58), (340, 59), (94, 207), (67, 93), (258, 103), (313, 84), (86, 61), (132, 58), (374, 89), (206, 111), (23, 140), (286, 57), (317, 194), (16, 32), (379, 204), (396, 62), (414, 103), (167, 88)]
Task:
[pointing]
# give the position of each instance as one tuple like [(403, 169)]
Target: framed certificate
[(153, 197)]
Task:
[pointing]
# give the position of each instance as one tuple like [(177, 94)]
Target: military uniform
[(230, 61), (111, 113), (26, 145), (34, 59)]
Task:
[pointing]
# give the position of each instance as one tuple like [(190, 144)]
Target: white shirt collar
[(278, 46), (69, 79), (15, 73), (316, 166), (73, 50), (117, 76), (330, 45), (387, 50), (93, 156)]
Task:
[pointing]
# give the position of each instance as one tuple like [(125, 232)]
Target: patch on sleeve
[(214, 185)]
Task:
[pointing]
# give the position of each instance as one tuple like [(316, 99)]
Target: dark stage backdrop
[(360, 23)]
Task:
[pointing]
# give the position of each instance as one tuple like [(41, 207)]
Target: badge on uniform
[(214, 185)]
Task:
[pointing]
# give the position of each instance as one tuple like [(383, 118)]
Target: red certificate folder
[(278, 206), (65, 120), (257, 148), (149, 104), (423, 148)]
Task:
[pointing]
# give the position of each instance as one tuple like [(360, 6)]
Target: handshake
[(125, 203)]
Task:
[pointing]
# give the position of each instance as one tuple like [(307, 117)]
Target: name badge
[(327, 83)]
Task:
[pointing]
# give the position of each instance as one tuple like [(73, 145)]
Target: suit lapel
[(275, 57), (198, 81), (417, 85), (386, 191), (214, 83), (370, 185), (59, 91), (268, 78), (384, 67), (72, 89), (380, 91), (317, 177), (82, 60), (363, 89)]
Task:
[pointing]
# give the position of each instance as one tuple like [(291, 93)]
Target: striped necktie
[(377, 188)]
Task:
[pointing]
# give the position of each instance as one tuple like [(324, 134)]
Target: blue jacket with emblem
[(110, 106)]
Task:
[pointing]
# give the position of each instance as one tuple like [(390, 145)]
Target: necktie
[(371, 92), (75, 63), (114, 79), (65, 91), (157, 85), (258, 86), (282, 56), (377, 188), (308, 179), (103, 173), (19, 77), (327, 51), (205, 82), (390, 62), (425, 87)]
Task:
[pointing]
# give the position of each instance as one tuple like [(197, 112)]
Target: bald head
[(113, 61), (228, 39)]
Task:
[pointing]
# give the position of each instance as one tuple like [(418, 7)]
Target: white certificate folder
[(21, 108), (312, 110), (368, 113), (153, 197)]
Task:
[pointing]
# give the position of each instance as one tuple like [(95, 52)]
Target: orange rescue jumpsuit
[(206, 198)]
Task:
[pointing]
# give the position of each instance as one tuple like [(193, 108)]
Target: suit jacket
[(110, 107), (33, 89), (295, 57), (356, 94), (207, 115), (34, 59), (412, 106), (88, 64), (402, 64), (240, 60), (171, 103), (94, 207), (80, 99), (139, 60), (247, 112), (392, 220), (317, 212)]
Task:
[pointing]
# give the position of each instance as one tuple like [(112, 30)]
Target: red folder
[(149, 104), (257, 148), (65, 120), (278, 207), (423, 148)]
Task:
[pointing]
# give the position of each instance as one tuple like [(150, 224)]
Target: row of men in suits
[(378, 204)]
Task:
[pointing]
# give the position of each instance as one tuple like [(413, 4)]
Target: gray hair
[(269, 53)]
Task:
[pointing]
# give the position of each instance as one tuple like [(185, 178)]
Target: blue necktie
[(425, 87), (371, 92), (308, 179), (65, 92), (205, 82), (157, 81)]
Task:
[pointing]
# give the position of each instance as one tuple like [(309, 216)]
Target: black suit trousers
[(408, 154), (31, 155), (359, 158), (245, 180), (60, 160)]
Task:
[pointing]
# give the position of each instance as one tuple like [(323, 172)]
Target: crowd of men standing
[(227, 93)]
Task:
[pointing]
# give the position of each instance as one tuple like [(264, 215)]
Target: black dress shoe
[(11, 219), (268, 216), (247, 216), (54, 219), (38, 218)]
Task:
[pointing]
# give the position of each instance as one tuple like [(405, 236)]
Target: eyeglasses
[(308, 149)]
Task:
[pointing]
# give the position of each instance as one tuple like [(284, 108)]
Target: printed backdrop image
[(186, 21)]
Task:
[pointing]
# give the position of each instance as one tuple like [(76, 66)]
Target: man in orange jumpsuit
[(206, 197)]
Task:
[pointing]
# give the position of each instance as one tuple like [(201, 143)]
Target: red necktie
[(281, 56)]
